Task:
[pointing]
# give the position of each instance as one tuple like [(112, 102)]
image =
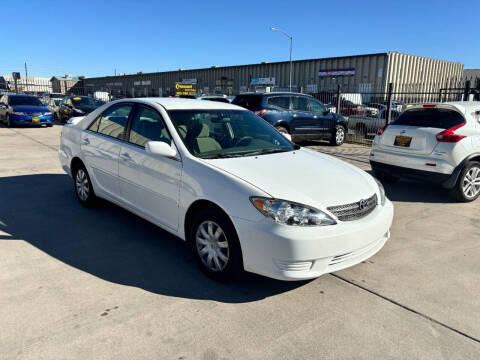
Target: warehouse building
[(361, 73)]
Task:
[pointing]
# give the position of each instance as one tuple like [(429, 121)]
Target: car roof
[(462, 106), (184, 104)]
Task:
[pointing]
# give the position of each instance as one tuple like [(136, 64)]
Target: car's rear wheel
[(7, 121), (338, 136), (467, 187), (215, 245), (83, 186), (282, 130)]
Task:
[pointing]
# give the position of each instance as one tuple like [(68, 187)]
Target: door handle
[(86, 141), (126, 156)]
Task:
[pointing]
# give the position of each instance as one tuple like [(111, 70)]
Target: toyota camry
[(224, 180)]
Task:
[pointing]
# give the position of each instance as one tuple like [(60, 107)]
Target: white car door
[(149, 183), (101, 144)]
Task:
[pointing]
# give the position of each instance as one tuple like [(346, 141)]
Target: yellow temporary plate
[(35, 119), (77, 98)]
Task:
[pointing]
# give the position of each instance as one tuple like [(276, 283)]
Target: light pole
[(291, 41)]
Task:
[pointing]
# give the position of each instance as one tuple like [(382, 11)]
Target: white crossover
[(224, 180), (439, 143)]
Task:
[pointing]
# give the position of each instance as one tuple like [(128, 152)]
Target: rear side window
[(299, 103), (114, 120), (250, 102), (434, 118), (279, 101)]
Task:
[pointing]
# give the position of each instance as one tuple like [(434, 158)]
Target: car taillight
[(382, 130), (450, 136), (261, 112)]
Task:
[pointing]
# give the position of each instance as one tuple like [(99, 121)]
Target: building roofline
[(235, 66)]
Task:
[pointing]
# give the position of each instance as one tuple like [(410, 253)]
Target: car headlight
[(79, 111), (290, 213), (382, 192), (18, 113), (47, 113)]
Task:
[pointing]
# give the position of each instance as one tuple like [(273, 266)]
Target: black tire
[(458, 192), (385, 177), (90, 199), (338, 135), (8, 124), (49, 125), (225, 270)]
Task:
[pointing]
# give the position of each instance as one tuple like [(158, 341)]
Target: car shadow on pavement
[(113, 244), (406, 190)]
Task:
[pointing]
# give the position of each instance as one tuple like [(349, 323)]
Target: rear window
[(250, 102), (434, 118)]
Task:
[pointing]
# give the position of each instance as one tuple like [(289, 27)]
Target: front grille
[(34, 114), (356, 210)]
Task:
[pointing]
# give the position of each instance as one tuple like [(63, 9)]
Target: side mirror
[(160, 148), (326, 112)]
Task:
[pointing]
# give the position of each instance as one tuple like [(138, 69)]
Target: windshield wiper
[(264, 151), (221, 156)]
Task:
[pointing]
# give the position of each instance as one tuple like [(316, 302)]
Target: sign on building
[(263, 81), (336, 72), (189, 81), (185, 89)]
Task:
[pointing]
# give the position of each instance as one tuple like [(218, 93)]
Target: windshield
[(86, 101), (24, 100), (210, 134)]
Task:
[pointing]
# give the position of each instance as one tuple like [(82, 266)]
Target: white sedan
[(224, 180)]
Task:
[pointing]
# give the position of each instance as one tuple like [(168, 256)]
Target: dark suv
[(300, 115)]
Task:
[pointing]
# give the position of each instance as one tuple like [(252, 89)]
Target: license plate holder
[(35, 119), (402, 141)]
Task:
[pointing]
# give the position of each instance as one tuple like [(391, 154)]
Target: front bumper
[(30, 120), (298, 253)]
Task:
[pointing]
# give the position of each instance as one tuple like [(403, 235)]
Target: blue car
[(300, 115), (24, 110)]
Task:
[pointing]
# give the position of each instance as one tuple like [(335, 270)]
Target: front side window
[(227, 133), (316, 106), (147, 125), (299, 103), (114, 120), (279, 101)]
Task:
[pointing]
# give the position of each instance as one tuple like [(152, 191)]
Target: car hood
[(29, 108), (303, 176)]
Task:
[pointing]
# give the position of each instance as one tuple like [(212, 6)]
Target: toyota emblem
[(362, 204)]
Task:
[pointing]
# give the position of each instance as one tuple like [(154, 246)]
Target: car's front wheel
[(215, 244), (338, 136), (83, 186), (467, 187)]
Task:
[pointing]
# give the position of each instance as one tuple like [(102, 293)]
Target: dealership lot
[(77, 283)]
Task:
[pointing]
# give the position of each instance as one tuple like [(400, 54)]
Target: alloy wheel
[(212, 246), (82, 185), (471, 183), (339, 135)]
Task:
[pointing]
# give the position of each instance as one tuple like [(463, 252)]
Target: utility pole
[(26, 77), (115, 71)]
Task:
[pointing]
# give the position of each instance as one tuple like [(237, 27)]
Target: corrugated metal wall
[(372, 73), (418, 73)]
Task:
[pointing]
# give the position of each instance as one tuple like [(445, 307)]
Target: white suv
[(439, 143)]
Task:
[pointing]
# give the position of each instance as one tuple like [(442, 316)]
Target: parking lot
[(103, 283)]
